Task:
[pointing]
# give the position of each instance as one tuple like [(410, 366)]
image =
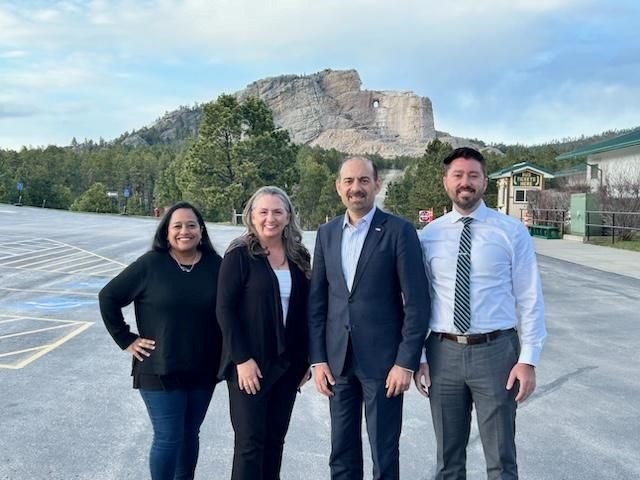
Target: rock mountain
[(328, 109)]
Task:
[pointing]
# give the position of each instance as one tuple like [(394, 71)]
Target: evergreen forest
[(238, 149)]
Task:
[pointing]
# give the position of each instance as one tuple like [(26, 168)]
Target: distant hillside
[(327, 109), (567, 144)]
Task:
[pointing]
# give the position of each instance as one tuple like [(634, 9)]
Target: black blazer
[(249, 312), (386, 314)]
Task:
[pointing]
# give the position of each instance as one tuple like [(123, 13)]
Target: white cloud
[(226, 30), (49, 77), (46, 15), (14, 54), (492, 68)]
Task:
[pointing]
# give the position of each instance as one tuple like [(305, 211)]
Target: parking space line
[(11, 320), (47, 252), (101, 272), (44, 351), (95, 254), (46, 255), (26, 350), (78, 327), (69, 260), (38, 330), (54, 261), (77, 264)]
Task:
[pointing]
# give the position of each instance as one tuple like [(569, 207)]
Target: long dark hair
[(161, 239), (291, 235)]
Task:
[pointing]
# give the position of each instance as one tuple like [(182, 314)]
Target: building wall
[(615, 166), (510, 201), (519, 201)]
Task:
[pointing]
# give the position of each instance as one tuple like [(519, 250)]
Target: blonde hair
[(291, 234)]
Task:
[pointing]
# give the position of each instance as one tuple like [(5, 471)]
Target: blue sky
[(512, 71)]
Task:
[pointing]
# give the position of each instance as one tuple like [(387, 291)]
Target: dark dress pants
[(383, 418), (464, 375), (176, 416), (260, 423)]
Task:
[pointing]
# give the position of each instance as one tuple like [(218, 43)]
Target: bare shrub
[(619, 195)]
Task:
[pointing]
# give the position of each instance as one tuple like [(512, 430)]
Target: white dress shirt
[(505, 285), (353, 237)]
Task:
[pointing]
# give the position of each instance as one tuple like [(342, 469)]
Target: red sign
[(425, 216)]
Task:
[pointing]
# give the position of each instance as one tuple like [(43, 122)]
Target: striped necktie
[(462, 306)]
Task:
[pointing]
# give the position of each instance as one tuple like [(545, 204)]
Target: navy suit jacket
[(386, 313)]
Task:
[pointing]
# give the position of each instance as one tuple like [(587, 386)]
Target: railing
[(622, 217), (549, 216)]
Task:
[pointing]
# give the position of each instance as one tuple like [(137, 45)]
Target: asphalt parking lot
[(68, 411)]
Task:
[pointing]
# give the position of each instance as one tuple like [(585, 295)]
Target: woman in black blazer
[(262, 311)]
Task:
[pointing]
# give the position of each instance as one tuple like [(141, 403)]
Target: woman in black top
[(176, 352), (262, 310)]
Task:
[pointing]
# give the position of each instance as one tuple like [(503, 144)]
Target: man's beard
[(467, 203)]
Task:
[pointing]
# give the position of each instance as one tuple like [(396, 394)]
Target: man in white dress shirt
[(484, 284)]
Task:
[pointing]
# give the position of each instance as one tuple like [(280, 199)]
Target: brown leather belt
[(473, 339)]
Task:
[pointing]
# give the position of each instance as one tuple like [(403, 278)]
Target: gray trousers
[(463, 375)]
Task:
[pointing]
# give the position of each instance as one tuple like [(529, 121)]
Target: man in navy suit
[(369, 313)]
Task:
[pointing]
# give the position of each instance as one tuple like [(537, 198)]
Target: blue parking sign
[(19, 186), (126, 192)]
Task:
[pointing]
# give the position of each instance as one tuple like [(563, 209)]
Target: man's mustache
[(357, 194)]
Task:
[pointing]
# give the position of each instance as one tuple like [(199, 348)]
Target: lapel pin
[(378, 229)]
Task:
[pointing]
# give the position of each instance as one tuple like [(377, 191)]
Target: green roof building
[(515, 183), (614, 159)]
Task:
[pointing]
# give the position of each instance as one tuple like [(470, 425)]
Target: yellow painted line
[(38, 330), (4, 365), (18, 352), (55, 344), (40, 290)]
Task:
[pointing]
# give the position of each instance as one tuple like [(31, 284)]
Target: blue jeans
[(176, 416)]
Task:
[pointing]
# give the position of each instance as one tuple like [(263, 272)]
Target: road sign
[(112, 194), (19, 186), (126, 192)]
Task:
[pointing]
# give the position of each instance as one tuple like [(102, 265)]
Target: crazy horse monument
[(329, 109)]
